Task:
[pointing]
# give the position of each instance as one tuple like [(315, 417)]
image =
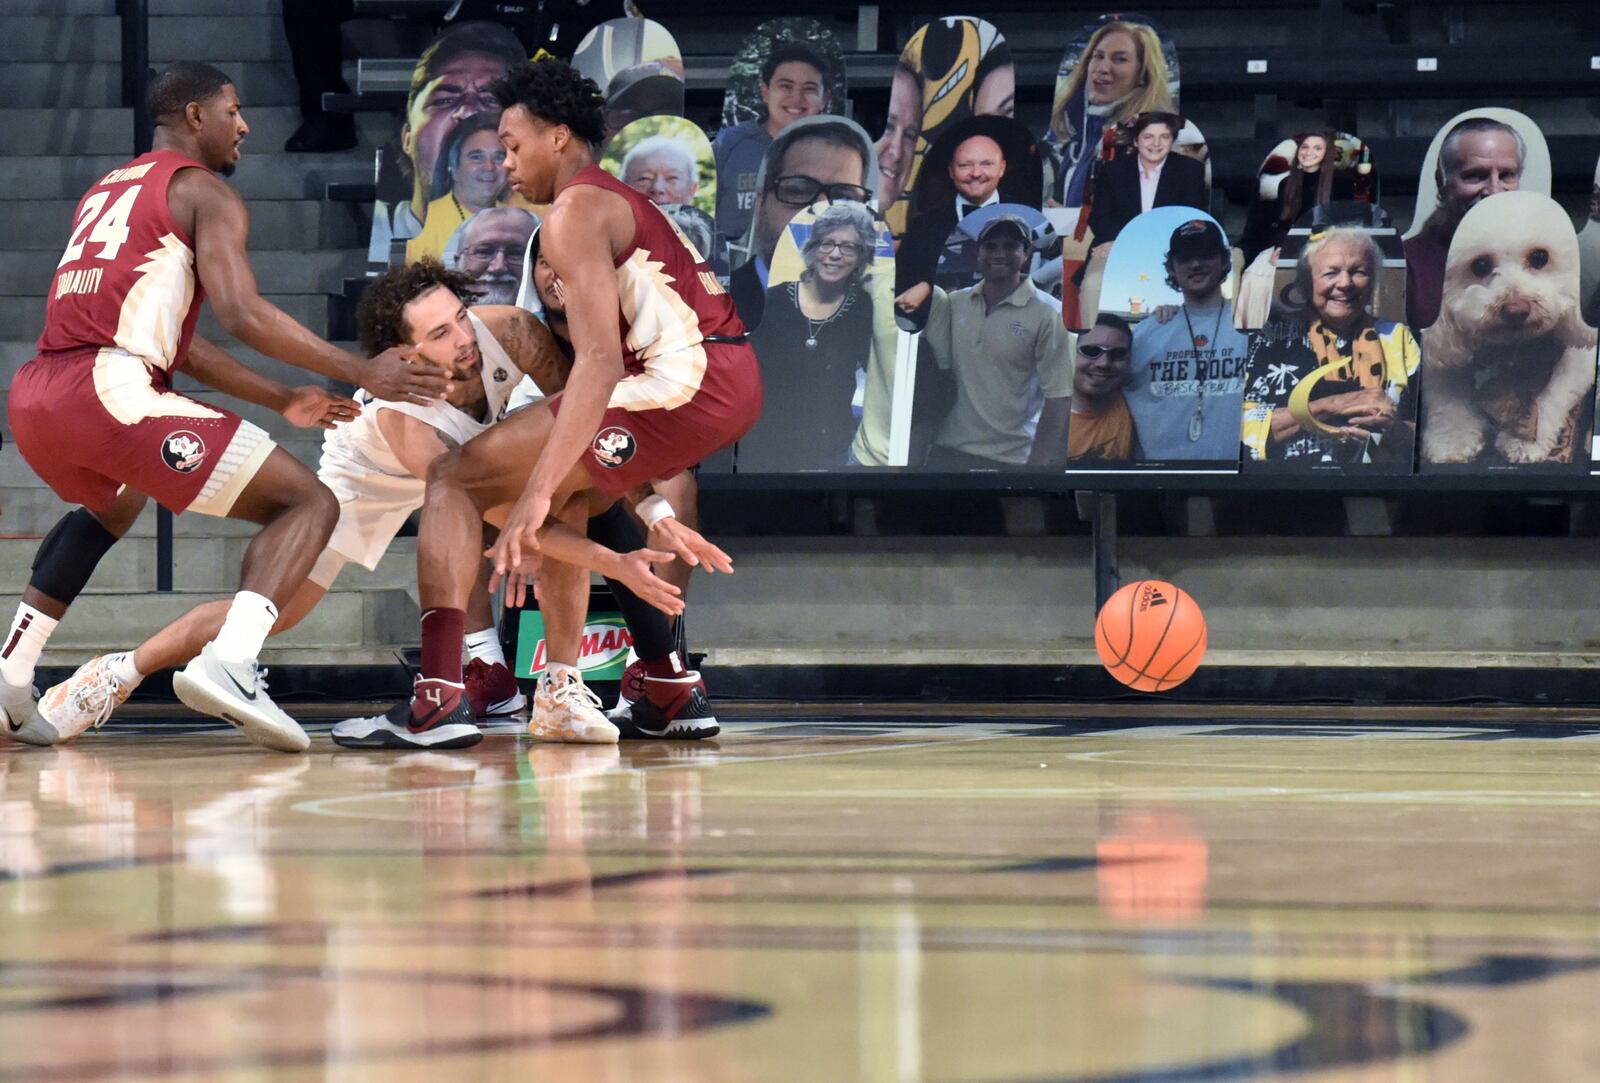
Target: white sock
[(30, 631), (122, 667), (558, 671), (485, 646), (249, 622)]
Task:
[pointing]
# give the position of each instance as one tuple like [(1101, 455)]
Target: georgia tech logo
[(183, 450), (613, 446)]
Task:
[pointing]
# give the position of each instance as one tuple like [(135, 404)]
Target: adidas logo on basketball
[(1153, 598)]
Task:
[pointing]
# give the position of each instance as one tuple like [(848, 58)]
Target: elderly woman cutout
[(1339, 389)]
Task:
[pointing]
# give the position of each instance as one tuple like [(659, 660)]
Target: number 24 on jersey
[(109, 229)]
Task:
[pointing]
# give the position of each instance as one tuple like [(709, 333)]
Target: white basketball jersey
[(376, 493)]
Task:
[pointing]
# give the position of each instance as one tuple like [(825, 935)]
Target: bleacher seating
[(1360, 74)]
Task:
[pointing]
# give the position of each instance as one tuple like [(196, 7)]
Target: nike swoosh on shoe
[(251, 696), (432, 719)]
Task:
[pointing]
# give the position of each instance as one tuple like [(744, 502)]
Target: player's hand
[(519, 585), (395, 376), (690, 546), (516, 550), (913, 298), (1164, 313), (313, 407), (635, 572)]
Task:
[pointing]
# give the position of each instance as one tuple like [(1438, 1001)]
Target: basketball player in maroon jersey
[(662, 377), (95, 416)]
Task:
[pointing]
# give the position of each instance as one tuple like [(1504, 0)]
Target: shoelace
[(105, 689), (562, 693), (259, 672)]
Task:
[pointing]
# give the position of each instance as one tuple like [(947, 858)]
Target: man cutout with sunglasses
[(813, 159), (1101, 428)]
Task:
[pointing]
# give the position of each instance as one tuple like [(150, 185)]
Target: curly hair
[(556, 93), (381, 315)]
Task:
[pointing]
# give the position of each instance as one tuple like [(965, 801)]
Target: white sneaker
[(568, 710), (19, 711), (84, 699), (237, 694)]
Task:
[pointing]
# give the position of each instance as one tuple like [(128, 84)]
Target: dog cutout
[(1510, 363)]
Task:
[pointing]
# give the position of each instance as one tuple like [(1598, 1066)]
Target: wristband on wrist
[(654, 508)]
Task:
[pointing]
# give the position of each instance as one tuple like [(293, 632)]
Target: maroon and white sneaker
[(632, 685), (492, 689), (420, 722), (674, 708)]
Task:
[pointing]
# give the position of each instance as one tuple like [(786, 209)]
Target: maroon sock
[(670, 665), (443, 631)]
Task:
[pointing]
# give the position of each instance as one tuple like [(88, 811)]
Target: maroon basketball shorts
[(92, 422), (666, 419)]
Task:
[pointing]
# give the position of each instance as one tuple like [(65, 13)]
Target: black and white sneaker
[(673, 708), (392, 729)]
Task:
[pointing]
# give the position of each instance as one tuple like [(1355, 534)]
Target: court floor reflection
[(1012, 895)]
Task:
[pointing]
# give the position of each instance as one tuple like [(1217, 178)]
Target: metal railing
[(135, 77)]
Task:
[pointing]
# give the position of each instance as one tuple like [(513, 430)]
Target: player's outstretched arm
[(219, 224), (307, 407), (666, 531), (560, 542)]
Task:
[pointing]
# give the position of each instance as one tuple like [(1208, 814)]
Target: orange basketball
[(1150, 635)]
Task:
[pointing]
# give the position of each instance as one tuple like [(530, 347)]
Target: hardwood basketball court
[(1008, 895)]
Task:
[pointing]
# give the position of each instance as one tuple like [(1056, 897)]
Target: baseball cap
[(1010, 221), (1198, 236)]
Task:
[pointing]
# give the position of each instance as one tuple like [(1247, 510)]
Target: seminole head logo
[(613, 446), (183, 450)]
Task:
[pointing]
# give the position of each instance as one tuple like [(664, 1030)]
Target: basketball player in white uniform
[(376, 466)]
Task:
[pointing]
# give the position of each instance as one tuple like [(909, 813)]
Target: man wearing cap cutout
[(1187, 387), (1010, 355)]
